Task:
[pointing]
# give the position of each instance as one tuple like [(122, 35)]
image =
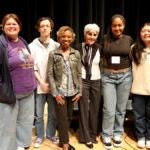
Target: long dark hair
[(109, 31), (108, 37), (138, 47)]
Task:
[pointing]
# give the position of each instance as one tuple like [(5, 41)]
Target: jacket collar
[(59, 52), (4, 42)]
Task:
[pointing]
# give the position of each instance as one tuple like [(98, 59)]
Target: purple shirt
[(21, 68)]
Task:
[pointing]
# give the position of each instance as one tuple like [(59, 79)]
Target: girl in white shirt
[(141, 86)]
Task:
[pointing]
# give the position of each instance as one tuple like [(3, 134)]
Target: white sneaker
[(54, 140), (20, 148), (107, 142), (117, 141), (38, 142), (148, 144), (141, 142)]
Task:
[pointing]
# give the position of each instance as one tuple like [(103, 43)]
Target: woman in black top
[(116, 80)]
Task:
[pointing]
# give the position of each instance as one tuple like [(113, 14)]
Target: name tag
[(148, 57), (115, 59)]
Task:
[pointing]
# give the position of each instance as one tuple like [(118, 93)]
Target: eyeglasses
[(47, 26)]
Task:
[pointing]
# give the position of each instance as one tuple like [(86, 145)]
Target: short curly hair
[(90, 27)]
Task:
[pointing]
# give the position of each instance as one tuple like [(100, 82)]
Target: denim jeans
[(141, 110), (25, 117), (116, 89), (8, 117), (40, 102), (16, 123)]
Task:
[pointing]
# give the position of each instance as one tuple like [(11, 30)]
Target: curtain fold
[(77, 13)]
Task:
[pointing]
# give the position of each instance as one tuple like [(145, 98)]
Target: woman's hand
[(45, 87), (60, 99), (76, 98)]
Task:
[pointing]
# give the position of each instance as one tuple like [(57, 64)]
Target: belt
[(115, 71)]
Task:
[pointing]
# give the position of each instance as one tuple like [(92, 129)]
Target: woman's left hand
[(76, 98)]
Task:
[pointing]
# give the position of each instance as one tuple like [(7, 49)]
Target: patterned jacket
[(55, 69)]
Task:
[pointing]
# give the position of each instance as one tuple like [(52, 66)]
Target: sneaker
[(89, 145), (141, 142), (107, 142), (54, 140), (70, 147), (148, 144), (20, 148), (117, 141), (38, 142)]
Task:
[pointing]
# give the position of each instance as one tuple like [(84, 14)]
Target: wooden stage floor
[(127, 144)]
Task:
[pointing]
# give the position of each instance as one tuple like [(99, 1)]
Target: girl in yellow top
[(141, 86)]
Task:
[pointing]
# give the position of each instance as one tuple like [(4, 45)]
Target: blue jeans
[(116, 89), (40, 102), (141, 110), (16, 123), (25, 117), (8, 118)]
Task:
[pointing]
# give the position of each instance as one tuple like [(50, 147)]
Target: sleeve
[(33, 54), (79, 74), (0, 55), (132, 41), (50, 75)]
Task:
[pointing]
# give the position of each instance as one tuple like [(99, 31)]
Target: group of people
[(56, 73)]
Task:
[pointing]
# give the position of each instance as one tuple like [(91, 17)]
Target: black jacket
[(6, 87)]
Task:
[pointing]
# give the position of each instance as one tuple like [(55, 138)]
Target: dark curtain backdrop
[(77, 13)]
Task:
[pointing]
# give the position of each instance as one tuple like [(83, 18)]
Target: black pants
[(141, 110), (89, 108), (64, 116)]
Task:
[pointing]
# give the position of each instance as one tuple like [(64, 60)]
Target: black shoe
[(94, 141), (70, 147), (89, 145), (60, 145)]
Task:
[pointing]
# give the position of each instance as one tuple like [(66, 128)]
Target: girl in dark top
[(116, 80)]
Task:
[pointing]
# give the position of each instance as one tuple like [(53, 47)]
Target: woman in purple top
[(17, 85)]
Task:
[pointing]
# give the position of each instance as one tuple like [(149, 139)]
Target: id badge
[(115, 59), (148, 57)]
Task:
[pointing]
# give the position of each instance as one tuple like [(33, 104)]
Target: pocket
[(74, 59), (58, 62), (105, 77), (6, 94), (57, 59), (74, 63)]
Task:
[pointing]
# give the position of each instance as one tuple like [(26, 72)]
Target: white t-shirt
[(40, 55)]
